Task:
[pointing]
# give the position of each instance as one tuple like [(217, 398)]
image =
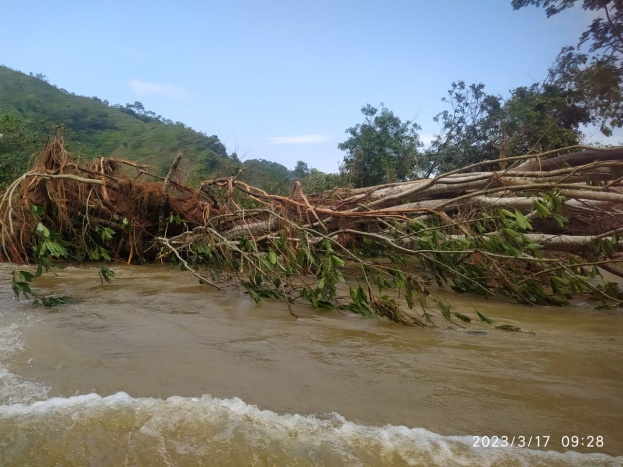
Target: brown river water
[(156, 369)]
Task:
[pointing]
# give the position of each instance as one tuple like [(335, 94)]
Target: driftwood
[(547, 217)]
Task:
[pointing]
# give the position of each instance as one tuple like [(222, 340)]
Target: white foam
[(12, 388), (181, 426)]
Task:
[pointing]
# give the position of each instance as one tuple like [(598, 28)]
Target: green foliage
[(301, 170), (480, 127), (19, 140), (50, 248), (382, 149), (605, 30), (462, 317), (21, 281), (591, 85), (359, 302), (483, 317), (31, 108), (50, 244), (105, 274), (539, 118), (500, 260), (317, 181), (270, 176), (469, 130), (591, 82), (95, 129)]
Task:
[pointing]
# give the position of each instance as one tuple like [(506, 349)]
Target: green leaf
[(23, 276), (54, 248), (336, 261), (522, 221), (107, 234), (37, 211), (484, 318), (104, 253), (272, 257), (105, 274), (43, 230), (445, 309), (540, 208), (512, 233), (560, 219), (463, 317), (254, 296), (55, 300)]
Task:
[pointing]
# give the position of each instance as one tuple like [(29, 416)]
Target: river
[(156, 369)]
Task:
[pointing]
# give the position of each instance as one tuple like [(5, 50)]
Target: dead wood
[(481, 232)]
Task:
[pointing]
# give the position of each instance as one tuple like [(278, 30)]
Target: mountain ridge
[(31, 107)]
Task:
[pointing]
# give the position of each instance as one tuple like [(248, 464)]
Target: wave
[(122, 430), (12, 388)]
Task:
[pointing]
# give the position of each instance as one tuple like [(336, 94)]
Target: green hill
[(30, 109)]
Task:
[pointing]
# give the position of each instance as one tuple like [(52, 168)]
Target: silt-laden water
[(156, 369)]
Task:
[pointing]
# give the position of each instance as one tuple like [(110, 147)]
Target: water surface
[(156, 369)]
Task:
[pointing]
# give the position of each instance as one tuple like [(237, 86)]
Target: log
[(482, 232), (575, 159)]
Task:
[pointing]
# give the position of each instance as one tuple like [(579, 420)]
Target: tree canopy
[(382, 149), (31, 108), (583, 88), (591, 79), (605, 32)]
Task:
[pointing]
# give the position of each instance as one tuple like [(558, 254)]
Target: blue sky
[(282, 80)]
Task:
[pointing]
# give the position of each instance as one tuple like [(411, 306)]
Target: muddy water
[(158, 370)]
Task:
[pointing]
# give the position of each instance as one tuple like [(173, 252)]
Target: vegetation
[(590, 75), (488, 233), (583, 87), (505, 202), (31, 108), (381, 150)]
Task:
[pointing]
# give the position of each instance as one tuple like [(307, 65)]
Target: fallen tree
[(536, 232)]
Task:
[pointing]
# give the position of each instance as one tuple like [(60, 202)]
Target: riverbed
[(156, 369)]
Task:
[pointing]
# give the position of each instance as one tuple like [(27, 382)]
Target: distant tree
[(480, 126), (591, 81), (214, 144), (382, 149), (470, 129), (268, 175), (539, 118), (40, 76), (301, 170), (317, 181), (139, 107)]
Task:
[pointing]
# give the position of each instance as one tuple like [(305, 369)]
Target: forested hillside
[(30, 109)]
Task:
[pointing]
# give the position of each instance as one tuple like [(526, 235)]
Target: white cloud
[(143, 88), (301, 139)]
